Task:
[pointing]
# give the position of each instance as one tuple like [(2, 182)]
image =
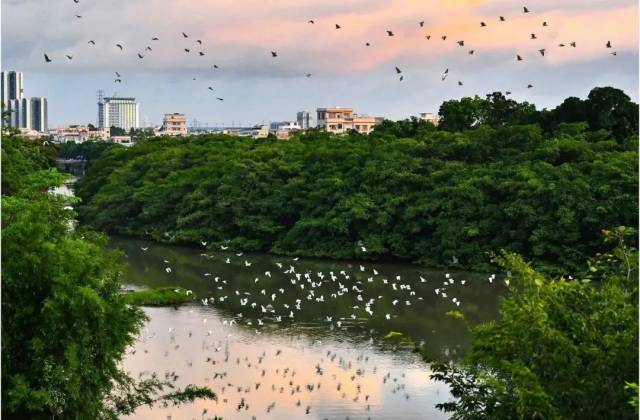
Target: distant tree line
[(496, 174)]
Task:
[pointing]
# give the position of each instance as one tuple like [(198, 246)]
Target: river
[(280, 338)]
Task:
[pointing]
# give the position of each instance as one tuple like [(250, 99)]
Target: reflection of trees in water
[(422, 320)]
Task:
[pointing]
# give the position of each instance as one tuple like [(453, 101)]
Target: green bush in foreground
[(159, 296), (560, 349), (65, 325)]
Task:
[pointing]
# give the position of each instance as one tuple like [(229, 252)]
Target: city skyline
[(256, 87)]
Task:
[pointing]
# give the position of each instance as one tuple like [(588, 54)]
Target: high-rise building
[(39, 114), (174, 125), (23, 112), (119, 112), (341, 120), (12, 86), (304, 120)]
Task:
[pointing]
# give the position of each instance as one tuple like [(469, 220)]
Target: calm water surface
[(280, 338)]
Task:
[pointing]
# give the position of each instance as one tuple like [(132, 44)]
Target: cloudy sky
[(239, 35)]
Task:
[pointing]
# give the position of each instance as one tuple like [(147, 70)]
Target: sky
[(239, 35)]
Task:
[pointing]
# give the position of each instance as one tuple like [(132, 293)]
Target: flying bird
[(220, 99), (215, 66), (92, 42), (199, 41), (482, 24), (70, 57), (185, 35), (148, 48), (398, 71), (518, 57), (614, 53), (210, 88), (472, 51), (390, 33), (502, 19), (445, 74), (187, 50), (533, 36), (545, 23), (140, 55), (525, 10), (529, 86), (308, 75), (444, 37), (421, 23), (608, 44), (117, 74), (573, 44), (117, 81), (542, 51), (311, 21), (338, 26), (78, 16), (47, 59), (274, 54), (461, 43), (119, 46), (201, 54), (367, 44), (459, 83), (428, 36), (155, 38), (401, 78)]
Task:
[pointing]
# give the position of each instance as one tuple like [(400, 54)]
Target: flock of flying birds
[(196, 48), (273, 305)]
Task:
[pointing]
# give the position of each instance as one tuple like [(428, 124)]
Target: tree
[(65, 326), (459, 115), (560, 349), (117, 131), (611, 109), (91, 127)]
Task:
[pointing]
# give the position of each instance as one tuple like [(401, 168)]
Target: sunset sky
[(239, 35)]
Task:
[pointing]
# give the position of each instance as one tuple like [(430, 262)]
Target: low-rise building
[(78, 134), (430, 117), (174, 125), (123, 140), (341, 120)]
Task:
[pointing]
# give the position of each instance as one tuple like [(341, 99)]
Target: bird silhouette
[(201, 54), (140, 55), (187, 50), (461, 43), (338, 26), (117, 74), (444, 37), (311, 21), (471, 52), (210, 88), (502, 19), (545, 23), (367, 44), (91, 42), (398, 71), (308, 75), (459, 83), (274, 54), (573, 44), (529, 86), (421, 23), (390, 33), (428, 36), (78, 16), (525, 10), (220, 99), (117, 81), (47, 59), (120, 46), (482, 24), (199, 41), (401, 78), (542, 51), (185, 35), (533, 36), (70, 57), (608, 44), (215, 66), (518, 57)]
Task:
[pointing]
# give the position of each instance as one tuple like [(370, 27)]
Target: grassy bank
[(160, 296)]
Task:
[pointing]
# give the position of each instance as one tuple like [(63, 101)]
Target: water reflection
[(251, 333)]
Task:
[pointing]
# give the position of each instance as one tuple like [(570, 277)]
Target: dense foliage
[(407, 191), (65, 325), (560, 349), (160, 296), (89, 150)]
